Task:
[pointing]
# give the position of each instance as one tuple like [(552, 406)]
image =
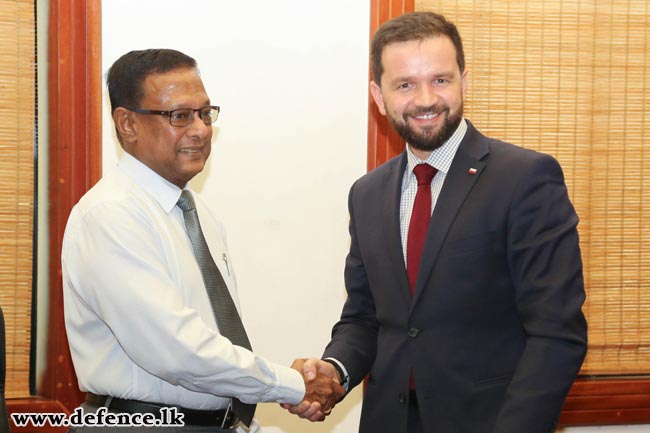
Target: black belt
[(224, 418)]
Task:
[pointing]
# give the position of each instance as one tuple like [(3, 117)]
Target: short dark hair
[(127, 74), (409, 27)]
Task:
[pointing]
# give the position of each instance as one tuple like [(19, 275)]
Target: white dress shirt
[(137, 314)]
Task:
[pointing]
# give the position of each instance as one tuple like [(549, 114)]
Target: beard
[(427, 139)]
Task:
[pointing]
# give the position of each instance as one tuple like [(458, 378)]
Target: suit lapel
[(465, 170), (391, 222)]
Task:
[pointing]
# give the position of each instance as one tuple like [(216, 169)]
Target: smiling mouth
[(190, 152), (426, 116)]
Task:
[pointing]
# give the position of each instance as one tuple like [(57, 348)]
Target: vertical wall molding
[(74, 108), (383, 141)]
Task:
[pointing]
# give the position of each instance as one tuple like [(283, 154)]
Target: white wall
[(291, 78)]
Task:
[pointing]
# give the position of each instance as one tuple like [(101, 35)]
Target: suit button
[(413, 332), (402, 398)]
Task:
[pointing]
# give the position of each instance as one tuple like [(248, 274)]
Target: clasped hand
[(323, 389)]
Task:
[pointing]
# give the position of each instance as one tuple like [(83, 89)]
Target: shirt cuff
[(345, 380), (293, 384)]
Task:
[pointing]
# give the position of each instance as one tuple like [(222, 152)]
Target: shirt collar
[(441, 157), (160, 189)]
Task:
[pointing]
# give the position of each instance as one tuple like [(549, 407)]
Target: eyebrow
[(179, 106), (449, 74)]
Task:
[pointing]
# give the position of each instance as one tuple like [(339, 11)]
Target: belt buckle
[(225, 416)]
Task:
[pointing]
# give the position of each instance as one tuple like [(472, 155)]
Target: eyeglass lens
[(185, 116)]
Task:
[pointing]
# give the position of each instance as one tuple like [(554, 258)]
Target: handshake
[(323, 389)]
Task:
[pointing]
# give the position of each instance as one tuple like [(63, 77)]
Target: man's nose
[(198, 127), (426, 96)]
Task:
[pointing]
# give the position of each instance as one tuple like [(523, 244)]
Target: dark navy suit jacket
[(494, 333)]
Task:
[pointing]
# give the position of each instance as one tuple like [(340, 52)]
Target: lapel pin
[(472, 170)]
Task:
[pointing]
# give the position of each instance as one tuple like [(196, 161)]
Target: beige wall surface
[(291, 78)]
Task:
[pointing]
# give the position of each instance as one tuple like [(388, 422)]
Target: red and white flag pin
[(472, 170)]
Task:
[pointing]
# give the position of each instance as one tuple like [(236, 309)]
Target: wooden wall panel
[(383, 141), (74, 144), (74, 107)]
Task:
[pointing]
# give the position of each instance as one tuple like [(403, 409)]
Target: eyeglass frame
[(168, 113)]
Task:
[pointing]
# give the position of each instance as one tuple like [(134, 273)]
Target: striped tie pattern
[(225, 312)]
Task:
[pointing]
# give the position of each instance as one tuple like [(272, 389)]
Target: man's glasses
[(185, 116)]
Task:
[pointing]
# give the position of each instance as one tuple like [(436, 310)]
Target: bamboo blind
[(17, 126), (570, 78)]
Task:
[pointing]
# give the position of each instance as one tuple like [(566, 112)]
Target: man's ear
[(375, 91), (464, 81), (125, 125)]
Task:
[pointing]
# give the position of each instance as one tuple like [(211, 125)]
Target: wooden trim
[(36, 405), (591, 401), (74, 108), (383, 141), (603, 401)]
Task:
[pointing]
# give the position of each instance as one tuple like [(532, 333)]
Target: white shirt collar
[(163, 191)]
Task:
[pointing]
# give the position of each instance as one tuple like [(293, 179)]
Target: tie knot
[(424, 173), (186, 201)]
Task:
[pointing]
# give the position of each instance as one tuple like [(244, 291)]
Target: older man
[(151, 307)]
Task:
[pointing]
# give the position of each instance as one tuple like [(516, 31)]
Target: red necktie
[(420, 218)]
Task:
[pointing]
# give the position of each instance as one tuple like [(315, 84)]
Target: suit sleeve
[(546, 268), (354, 337)]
